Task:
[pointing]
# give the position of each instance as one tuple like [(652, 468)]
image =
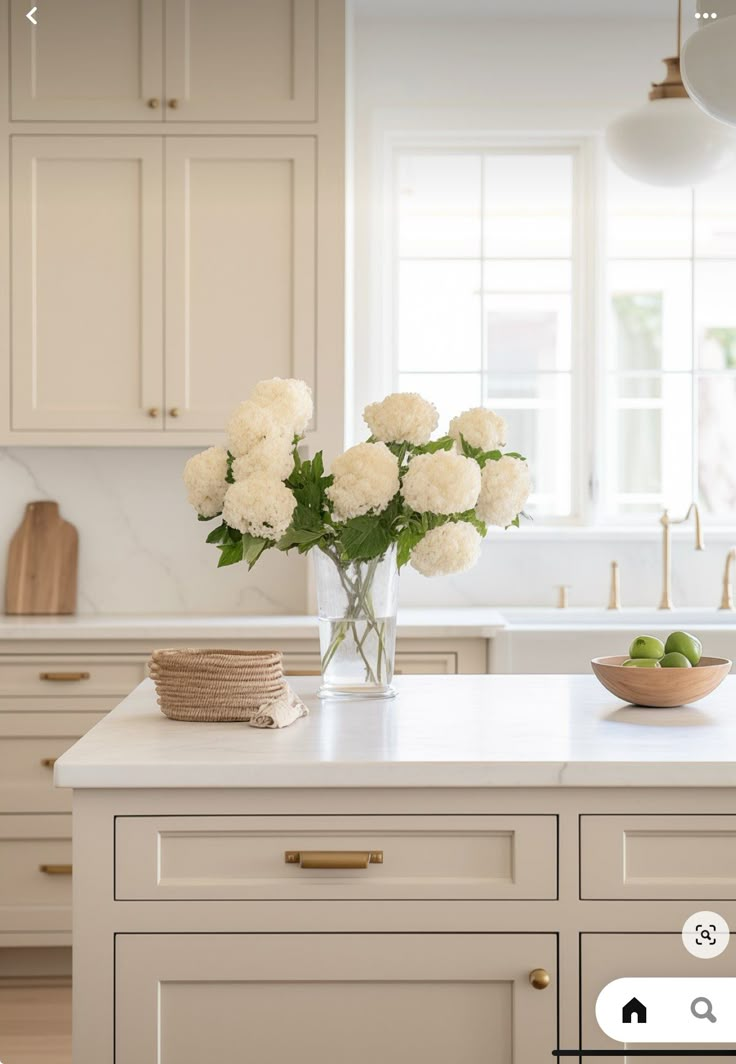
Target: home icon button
[(634, 1012)]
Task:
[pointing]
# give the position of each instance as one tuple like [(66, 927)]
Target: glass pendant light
[(670, 140), (708, 67)]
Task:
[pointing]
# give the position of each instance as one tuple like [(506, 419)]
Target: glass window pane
[(439, 316), (537, 409), (717, 445), (451, 393), (527, 332), (715, 314), (542, 275), (645, 221), (715, 216), (650, 315), (439, 205), (528, 205), (650, 453)]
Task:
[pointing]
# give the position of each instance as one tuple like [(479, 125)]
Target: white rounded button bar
[(673, 1010)]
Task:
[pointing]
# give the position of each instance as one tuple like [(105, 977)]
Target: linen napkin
[(280, 712)]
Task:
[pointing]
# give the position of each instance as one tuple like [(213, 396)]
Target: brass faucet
[(666, 522), (727, 596)]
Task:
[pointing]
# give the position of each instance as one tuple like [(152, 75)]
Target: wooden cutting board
[(42, 563)]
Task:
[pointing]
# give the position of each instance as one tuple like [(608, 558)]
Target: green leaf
[(200, 517), (229, 478), (407, 540), (364, 538), (230, 553), (444, 443), (515, 454), (252, 548), (218, 534), (471, 518)]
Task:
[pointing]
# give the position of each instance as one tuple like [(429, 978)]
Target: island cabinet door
[(334, 998)]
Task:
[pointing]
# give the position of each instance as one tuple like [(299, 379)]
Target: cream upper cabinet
[(87, 282), (250, 61), (131, 60), (240, 280), (88, 60), (330, 998)]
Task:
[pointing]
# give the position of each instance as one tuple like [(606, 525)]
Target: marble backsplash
[(142, 550)]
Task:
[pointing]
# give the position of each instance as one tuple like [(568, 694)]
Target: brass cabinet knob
[(154, 102), (539, 978), (174, 412), (153, 411), (173, 104)]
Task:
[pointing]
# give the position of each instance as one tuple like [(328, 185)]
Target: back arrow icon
[(30, 14)]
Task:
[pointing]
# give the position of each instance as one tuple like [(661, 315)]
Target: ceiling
[(635, 9)]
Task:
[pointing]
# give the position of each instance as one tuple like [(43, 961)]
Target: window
[(670, 379), (494, 251)]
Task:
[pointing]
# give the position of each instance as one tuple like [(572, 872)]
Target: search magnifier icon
[(702, 1009)]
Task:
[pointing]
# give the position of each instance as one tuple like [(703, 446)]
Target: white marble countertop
[(412, 623), (440, 731)]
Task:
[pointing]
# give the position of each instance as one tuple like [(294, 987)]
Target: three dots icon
[(706, 14)]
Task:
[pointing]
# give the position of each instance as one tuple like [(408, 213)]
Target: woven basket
[(216, 685)]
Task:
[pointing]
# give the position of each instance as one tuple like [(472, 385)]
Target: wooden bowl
[(660, 688)]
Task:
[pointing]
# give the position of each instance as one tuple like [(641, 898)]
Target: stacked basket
[(217, 685)]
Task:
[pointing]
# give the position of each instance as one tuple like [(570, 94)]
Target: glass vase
[(357, 624)]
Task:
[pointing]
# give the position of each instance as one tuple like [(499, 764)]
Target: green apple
[(646, 646), (684, 643), (675, 661), (641, 663)]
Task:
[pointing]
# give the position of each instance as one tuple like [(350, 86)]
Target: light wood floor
[(36, 1025)]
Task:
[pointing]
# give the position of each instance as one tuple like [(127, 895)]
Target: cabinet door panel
[(240, 271), (357, 997), (614, 956), (254, 61), (88, 59), (87, 315)]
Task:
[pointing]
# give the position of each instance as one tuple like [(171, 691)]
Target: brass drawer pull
[(333, 858), (48, 762), (55, 869), (64, 677), (539, 978)]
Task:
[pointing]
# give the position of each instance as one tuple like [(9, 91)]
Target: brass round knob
[(539, 978), (154, 102), (153, 411), (174, 412), (174, 103)]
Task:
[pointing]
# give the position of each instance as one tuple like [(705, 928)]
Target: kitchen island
[(449, 876)]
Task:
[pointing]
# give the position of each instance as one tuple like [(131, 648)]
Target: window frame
[(585, 309), (591, 447)]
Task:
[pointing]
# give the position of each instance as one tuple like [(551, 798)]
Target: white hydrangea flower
[(441, 483), (451, 548), (366, 480), (251, 425), (273, 458), (260, 505), (480, 428), (288, 400), (204, 477), (402, 417), (505, 488)]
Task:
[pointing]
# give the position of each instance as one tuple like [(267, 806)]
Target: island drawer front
[(30, 743), (659, 857), (210, 858), (49, 676), (32, 899)]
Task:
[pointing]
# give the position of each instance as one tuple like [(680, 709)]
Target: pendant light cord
[(679, 27)]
